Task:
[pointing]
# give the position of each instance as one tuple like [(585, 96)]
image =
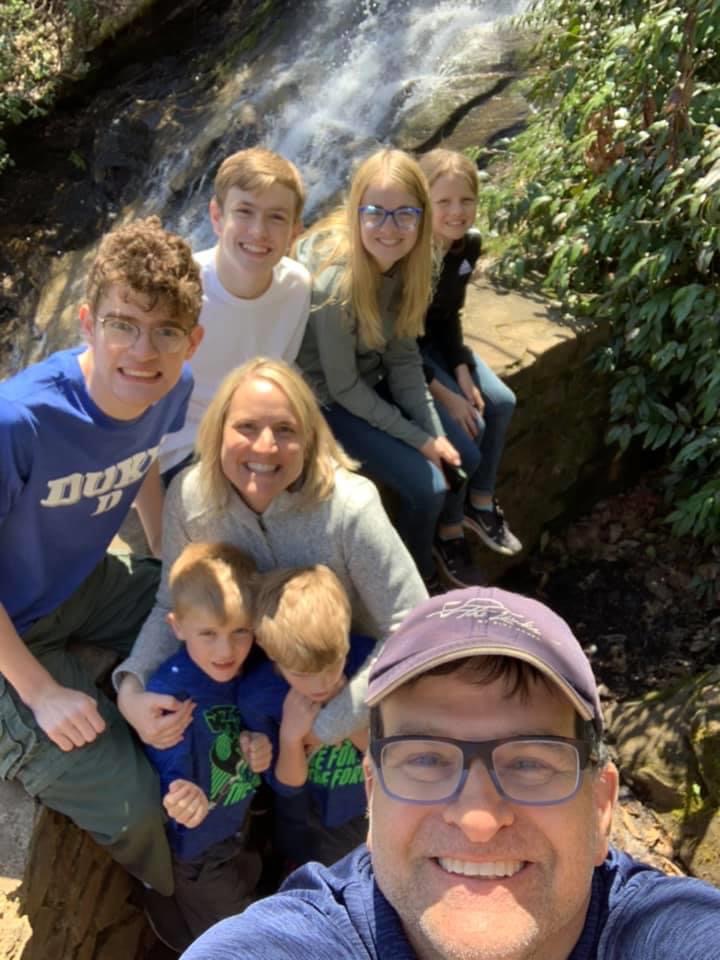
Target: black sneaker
[(490, 527), (455, 564)]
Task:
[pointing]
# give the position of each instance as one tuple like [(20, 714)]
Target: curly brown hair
[(152, 262)]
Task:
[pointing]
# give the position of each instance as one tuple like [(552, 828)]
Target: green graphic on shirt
[(231, 779), (339, 765)]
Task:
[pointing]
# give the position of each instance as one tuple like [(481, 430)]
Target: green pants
[(106, 787)]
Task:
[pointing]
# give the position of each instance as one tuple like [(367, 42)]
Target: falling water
[(358, 67), (327, 83)]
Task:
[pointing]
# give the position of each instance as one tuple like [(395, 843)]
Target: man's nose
[(258, 226), (479, 811), (144, 346)]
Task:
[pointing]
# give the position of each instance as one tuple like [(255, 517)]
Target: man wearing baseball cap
[(490, 801)]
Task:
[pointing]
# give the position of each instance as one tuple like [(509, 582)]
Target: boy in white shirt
[(255, 299)]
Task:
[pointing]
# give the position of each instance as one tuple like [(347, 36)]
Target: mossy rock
[(669, 749)]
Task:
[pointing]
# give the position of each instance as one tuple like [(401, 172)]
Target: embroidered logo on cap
[(490, 611)]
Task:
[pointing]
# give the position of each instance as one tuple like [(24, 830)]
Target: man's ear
[(369, 777), (605, 793), (216, 216), (87, 325), (194, 339), (369, 787)]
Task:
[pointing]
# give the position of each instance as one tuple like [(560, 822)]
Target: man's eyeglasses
[(122, 333), (535, 770), (404, 218)]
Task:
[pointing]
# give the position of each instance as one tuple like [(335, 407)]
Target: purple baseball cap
[(486, 621)]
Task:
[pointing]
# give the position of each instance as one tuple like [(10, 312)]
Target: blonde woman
[(372, 263), (273, 481)]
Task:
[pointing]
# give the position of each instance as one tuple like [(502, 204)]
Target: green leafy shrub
[(613, 196), (43, 44)]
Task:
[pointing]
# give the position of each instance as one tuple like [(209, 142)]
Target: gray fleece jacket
[(341, 369), (349, 532)]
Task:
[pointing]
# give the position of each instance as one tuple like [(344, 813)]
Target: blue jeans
[(480, 455), (418, 483)]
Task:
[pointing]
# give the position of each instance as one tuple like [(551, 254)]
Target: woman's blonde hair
[(302, 618), (448, 163), (321, 451), (338, 240)]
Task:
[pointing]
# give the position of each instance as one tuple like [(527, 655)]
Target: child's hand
[(468, 387), (298, 716), (257, 750), (186, 803)]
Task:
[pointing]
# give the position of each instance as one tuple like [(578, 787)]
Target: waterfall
[(326, 84), (343, 74)]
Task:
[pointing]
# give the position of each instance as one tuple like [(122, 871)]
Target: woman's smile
[(262, 451)]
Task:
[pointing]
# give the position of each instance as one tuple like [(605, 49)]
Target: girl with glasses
[(371, 262), (474, 405)]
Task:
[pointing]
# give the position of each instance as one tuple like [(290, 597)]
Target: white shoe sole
[(475, 528)]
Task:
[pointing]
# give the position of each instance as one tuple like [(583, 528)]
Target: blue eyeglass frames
[(404, 218), (532, 770)]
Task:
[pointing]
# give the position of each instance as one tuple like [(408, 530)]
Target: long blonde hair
[(337, 240), (321, 451)]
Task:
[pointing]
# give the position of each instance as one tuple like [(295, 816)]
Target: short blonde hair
[(447, 163), (338, 239), (255, 170), (216, 578), (321, 451), (302, 618)]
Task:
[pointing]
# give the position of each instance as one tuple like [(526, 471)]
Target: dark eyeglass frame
[(483, 750), (375, 207), (176, 345)]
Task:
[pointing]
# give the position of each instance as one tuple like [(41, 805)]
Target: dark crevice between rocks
[(459, 113)]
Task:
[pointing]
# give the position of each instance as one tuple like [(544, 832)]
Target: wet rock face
[(149, 135), (669, 749)]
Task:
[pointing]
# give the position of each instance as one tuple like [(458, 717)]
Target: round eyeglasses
[(533, 770), (404, 218), (122, 333)]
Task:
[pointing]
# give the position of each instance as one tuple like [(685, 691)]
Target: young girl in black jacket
[(475, 406)]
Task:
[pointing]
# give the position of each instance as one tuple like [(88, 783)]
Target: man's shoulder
[(649, 914), (36, 385), (327, 912)]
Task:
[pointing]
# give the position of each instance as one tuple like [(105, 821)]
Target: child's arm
[(297, 719), (186, 803)]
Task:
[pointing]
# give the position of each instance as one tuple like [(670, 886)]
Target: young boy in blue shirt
[(302, 623), (208, 779)]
